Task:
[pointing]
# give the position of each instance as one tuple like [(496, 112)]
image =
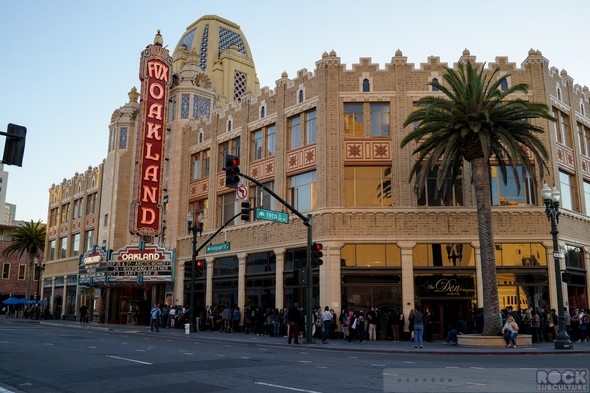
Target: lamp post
[(551, 197), (194, 226)]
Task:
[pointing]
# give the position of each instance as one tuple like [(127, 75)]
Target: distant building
[(4, 218), (327, 141), (9, 213)]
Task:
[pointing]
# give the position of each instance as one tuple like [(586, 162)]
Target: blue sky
[(67, 65)]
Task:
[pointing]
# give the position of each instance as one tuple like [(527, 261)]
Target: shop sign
[(445, 286)]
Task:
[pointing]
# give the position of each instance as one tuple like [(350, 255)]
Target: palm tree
[(29, 239), (475, 121)]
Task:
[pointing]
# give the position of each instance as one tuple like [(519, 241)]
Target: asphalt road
[(44, 358)]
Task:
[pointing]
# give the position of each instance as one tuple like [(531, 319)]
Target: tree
[(29, 239), (475, 121)]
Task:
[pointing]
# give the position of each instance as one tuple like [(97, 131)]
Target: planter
[(479, 341)]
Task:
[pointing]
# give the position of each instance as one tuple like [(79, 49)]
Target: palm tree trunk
[(491, 306)]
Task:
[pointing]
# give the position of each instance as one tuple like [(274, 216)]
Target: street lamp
[(551, 197), (194, 226)]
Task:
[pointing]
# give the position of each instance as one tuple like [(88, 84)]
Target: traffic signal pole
[(309, 287)]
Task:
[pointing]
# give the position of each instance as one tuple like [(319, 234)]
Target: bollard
[(187, 328)]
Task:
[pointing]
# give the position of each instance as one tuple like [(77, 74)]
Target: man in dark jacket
[(294, 318)]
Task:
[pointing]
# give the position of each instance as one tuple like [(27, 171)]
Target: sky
[(67, 65)]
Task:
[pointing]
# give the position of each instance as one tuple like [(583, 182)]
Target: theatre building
[(327, 141)]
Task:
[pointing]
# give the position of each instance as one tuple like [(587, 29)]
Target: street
[(38, 358)]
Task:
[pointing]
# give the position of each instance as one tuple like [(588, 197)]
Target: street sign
[(558, 255), (218, 247), (241, 192), (271, 215)]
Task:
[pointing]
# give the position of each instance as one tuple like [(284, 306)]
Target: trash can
[(187, 328), (198, 324)]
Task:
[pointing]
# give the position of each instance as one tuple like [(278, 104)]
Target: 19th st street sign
[(271, 215)]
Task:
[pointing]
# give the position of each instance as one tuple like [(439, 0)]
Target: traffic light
[(566, 277), (14, 148), (232, 171), (199, 270), (316, 254), (246, 211)]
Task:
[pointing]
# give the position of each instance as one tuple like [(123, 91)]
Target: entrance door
[(443, 316)]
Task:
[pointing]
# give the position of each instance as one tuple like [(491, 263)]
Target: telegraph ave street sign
[(271, 215), (218, 247)]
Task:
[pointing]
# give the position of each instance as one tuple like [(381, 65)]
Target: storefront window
[(444, 254), (523, 290), (520, 254), (226, 266), (574, 257), (370, 255), (263, 262)]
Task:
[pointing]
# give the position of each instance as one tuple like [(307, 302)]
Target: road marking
[(409, 362), (129, 360), (377, 365), (477, 368), (305, 361), (352, 357), (189, 353), (272, 385), (92, 347), (475, 383), (451, 367), (140, 350)]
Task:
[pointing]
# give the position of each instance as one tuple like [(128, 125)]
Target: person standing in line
[(418, 328), (155, 320), (83, 314), (411, 324), (327, 320), (372, 328), (294, 318)]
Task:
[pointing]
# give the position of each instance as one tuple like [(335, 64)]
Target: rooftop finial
[(158, 39)]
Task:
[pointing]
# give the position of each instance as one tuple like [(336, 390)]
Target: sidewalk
[(381, 346)]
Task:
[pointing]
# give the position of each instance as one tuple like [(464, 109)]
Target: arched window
[(228, 125), (366, 85), (300, 95), (559, 94), (262, 112), (435, 88)]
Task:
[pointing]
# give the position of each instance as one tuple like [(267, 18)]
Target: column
[(209, 286), (241, 284), (331, 278), (279, 277), (408, 291)]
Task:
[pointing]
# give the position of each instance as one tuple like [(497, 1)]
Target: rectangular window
[(566, 182), (76, 244), (89, 240), (52, 247), (587, 196), (201, 164), (582, 141), (228, 208), (63, 249), (295, 132), (261, 198), (77, 208), (433, 197), (302, 190), (106, 220), (22, 272), (367, 186), (311, 127), (65, 212), (507, 194), (53, 217), (379, 119), (271, 135), (6, 271), (353, 120), (257, 145), (91, 203), (574, 257)]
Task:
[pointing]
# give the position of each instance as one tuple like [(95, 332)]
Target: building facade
[(327, 142)]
